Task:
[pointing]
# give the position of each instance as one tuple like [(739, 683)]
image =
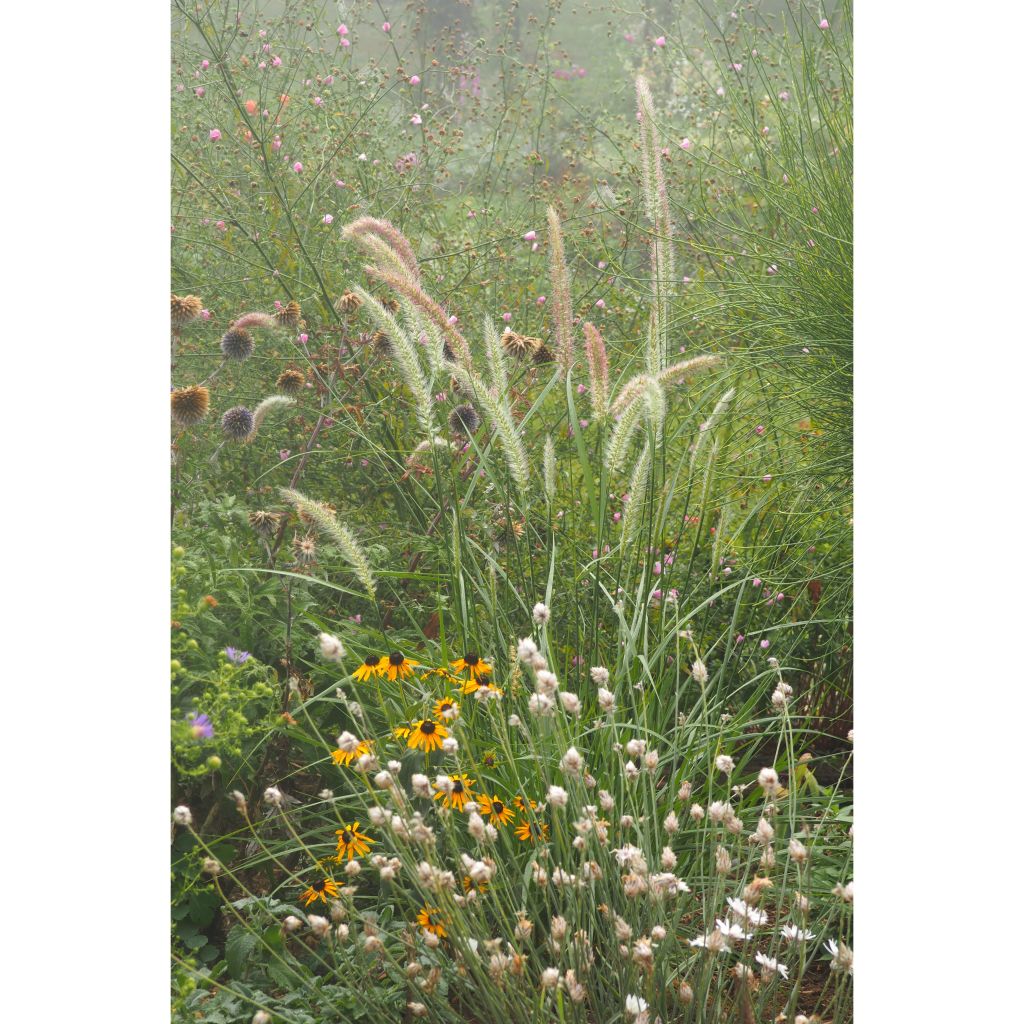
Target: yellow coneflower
[(190, 406), (532, 831), (496, 809), (352, 842), (478, 668), (430, 919), (427, 735), (520, 804), (184, 309), (446, 709), (402, 732), (459, 793), (320, 890), (397, 666), (371, 666), (291, 381), (472, 686), (346, 757), (468, 885)]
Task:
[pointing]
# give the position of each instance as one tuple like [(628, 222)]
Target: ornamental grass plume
[(564, 343), (268, 404), (385, 232), (597, 363), (190, 405), (326, 523)]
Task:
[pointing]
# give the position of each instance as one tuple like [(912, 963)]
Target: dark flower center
[(427, 728), (346, 836), (319, 886), (371, 660), (490, 760), (471, 659), (458, 787), (395, 658), (446, 706), (498, 807)]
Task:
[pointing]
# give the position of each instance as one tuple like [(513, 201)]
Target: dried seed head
[(348, 303), (264, 523), (290, 315), (291, 382), (464, 419), (190, 405), (184, 309)]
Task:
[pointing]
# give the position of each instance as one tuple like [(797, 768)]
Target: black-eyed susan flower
[(402, 732), (371, 666), (481, 687), (496, 809), (458, 793), (490, 759), (396, 666), (429, 918), (474, 664), (426, 735), (443, 673), (352, 842), (320, 890), (532, 831), (346, 757), (446, 709), (468, 885), (520, 803)]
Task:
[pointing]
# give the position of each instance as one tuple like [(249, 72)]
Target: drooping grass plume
[(365, 227), (550, 468), (190, 405), (495, 357), (327, 524), (247, 320), (564, 343), (708, 427), (597, 363), (268, 405), (639, 482)]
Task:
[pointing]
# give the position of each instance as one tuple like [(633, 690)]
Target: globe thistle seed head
[(264, 523), (291, 381), (348, 303), (237, 423), (290, 315), (190, 405), (464, 419), (237, 344), (184, 309)]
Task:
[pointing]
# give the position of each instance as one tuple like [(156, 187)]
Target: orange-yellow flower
[(496, 809), (477, 667)]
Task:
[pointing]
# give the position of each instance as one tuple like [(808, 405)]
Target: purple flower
[(238, 657), (202, 727)]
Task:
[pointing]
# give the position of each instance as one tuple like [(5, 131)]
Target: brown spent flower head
[(348, 303), (290, 315), (542, 354), (382, 344), (264, 523), (391, 305), (291, 381), (185, 309), (519, 345), (190, 405)]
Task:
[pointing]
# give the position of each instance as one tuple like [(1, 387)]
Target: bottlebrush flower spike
[(564, 344), (597, 361)]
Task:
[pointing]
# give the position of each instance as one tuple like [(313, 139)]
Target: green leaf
[(239, 946)]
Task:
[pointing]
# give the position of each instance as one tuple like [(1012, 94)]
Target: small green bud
[(175, 665), (213, 762), (178, 552), (192, 645)]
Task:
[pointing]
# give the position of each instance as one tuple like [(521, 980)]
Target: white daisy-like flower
[(842, 956), (635, 1005), (744, 912), (769, 965), (791, 933), (733, 930)]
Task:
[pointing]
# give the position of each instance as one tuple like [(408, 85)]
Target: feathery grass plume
[(416, 456), (680, 371), (184, 309), (190, 405), (597, 362), (495, 357), (327, 524), (628, 394), (495, 405), (423, 302), (638, 484), (720, 409), (654, 396), (564, 344), (406, 358), (626, 425), (549, 469), (368, 227), (259, 414), (645, 123), (247, 320)]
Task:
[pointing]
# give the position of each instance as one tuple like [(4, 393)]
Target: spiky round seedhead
[(382, 344), (237, 344), (291, 381), (348, 303), (264, 523), (184, 309), (464, 419), (290, 315), (237, 423), (304, 548), (391, 305), (519, 345), (190, 405)]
